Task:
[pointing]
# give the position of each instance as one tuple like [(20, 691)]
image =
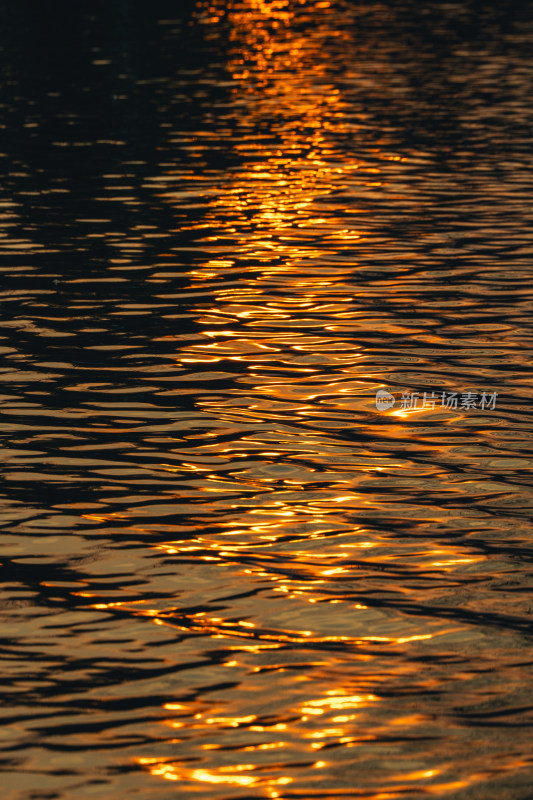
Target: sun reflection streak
[(281, 461)]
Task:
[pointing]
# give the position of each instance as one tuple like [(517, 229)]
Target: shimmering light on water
[(225, 227)]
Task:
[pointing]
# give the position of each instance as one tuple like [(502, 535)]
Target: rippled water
[(227, 574)]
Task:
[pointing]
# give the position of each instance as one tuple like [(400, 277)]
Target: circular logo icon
[(384, 400)]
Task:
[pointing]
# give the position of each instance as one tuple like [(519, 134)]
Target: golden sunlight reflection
[(278, 467)]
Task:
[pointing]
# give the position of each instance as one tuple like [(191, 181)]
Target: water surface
[(224, 227)]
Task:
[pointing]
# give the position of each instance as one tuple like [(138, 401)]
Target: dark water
[(225, 226)]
